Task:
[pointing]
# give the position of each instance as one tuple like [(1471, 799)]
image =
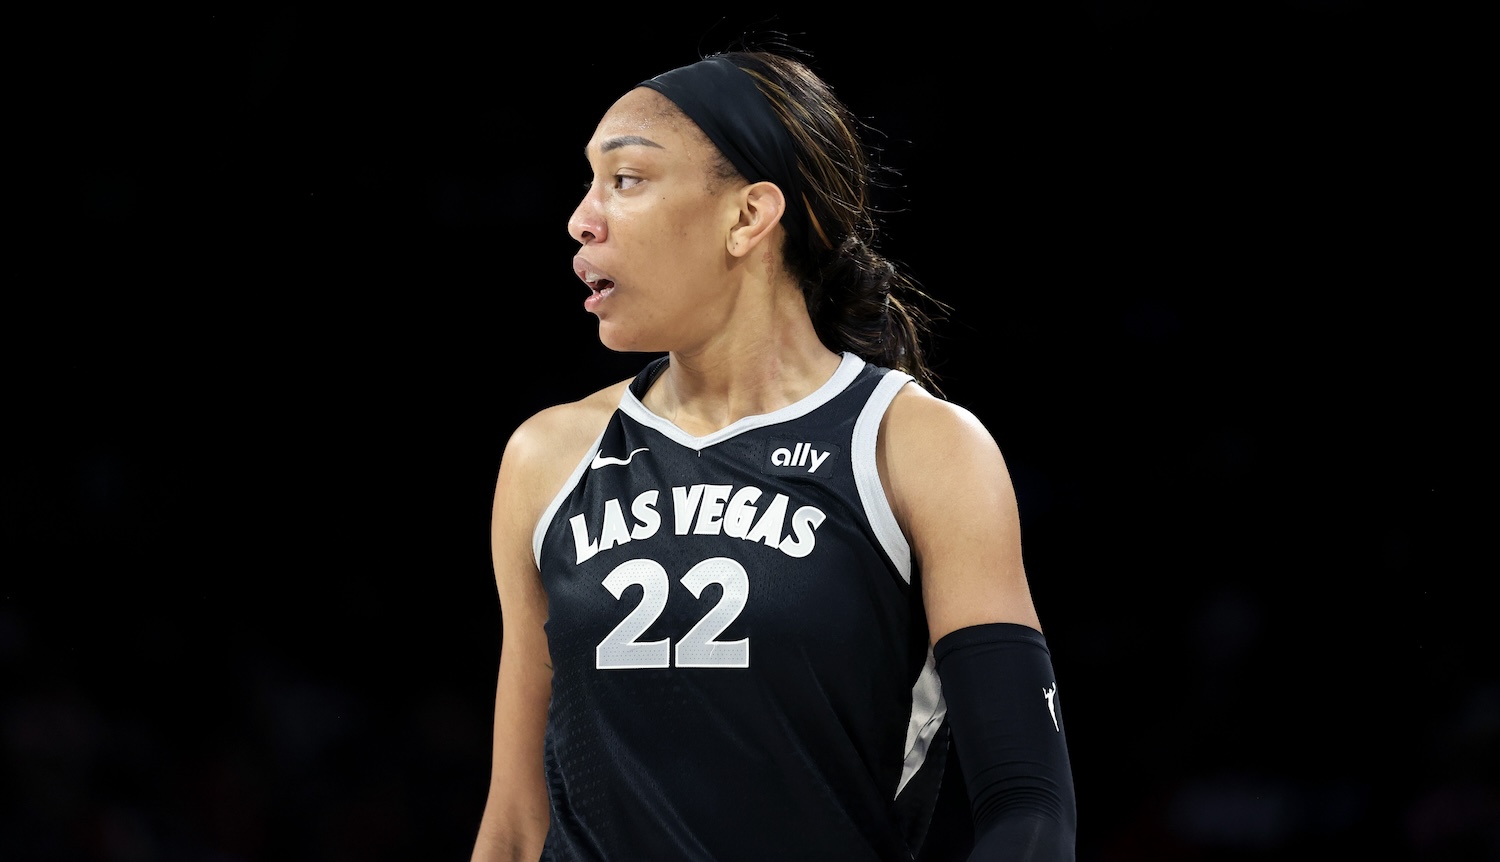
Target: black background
[(282, 282)]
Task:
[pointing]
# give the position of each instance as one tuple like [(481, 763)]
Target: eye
[(625, 181)]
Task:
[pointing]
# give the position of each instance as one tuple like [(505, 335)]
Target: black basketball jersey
[(741, 668)]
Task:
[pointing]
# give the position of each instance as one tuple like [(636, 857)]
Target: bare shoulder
[(951, 492), (924, 432), (555, 430), (938, 460), (545, 448)]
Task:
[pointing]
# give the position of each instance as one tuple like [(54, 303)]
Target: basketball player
[(752, 595)]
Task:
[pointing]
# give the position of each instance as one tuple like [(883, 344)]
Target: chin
[(623, 340)]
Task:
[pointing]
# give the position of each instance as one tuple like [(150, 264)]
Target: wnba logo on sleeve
[(801, 458)]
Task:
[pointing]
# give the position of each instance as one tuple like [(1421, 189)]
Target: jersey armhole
[(872, 495), (539, 532)]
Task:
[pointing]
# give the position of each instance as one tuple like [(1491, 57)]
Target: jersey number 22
[(620, 649)]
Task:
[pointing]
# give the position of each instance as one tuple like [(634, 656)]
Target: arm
[(516, 817), (952, 494)]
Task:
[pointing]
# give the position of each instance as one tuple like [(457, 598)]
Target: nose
[(587, 223)]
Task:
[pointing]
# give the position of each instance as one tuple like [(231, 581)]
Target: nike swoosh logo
[(601, 461)]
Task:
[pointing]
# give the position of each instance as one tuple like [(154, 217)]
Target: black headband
[(723, 100)]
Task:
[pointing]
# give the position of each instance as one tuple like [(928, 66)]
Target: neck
[(770, 357)]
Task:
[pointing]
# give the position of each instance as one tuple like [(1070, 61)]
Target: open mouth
[(600, 285)]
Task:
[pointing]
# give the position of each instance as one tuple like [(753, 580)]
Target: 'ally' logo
[(800, 457)]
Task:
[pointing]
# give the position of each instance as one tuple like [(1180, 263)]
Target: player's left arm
[(951, 491)]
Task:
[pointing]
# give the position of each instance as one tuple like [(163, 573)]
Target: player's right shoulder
[(545, 448), (557, 431)]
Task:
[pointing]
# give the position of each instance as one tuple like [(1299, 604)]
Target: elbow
[(1024, 836), (1029, 797), (1031, 821), (501, 848), (515, 838)]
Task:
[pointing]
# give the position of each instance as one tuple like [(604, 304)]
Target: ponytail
[(861, 303)]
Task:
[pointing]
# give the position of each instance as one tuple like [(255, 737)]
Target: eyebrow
[(627, 141)]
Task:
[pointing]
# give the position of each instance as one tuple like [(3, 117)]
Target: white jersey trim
[(928, 709), (539, 532), (848, 369), (867, 474)]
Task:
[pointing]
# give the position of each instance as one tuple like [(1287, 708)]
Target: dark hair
[(859, 300)]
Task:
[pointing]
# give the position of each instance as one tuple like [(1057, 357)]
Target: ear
[(761, 206)]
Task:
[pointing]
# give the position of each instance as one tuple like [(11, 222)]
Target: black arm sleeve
[(1007, 726)]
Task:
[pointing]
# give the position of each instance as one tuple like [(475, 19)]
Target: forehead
[(645, 117)]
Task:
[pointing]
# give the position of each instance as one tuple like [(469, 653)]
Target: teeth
[(592, 277)]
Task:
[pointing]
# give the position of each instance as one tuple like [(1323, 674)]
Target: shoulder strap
[(648, 376)]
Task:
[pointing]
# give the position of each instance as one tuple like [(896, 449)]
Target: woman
[(748, 594)]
